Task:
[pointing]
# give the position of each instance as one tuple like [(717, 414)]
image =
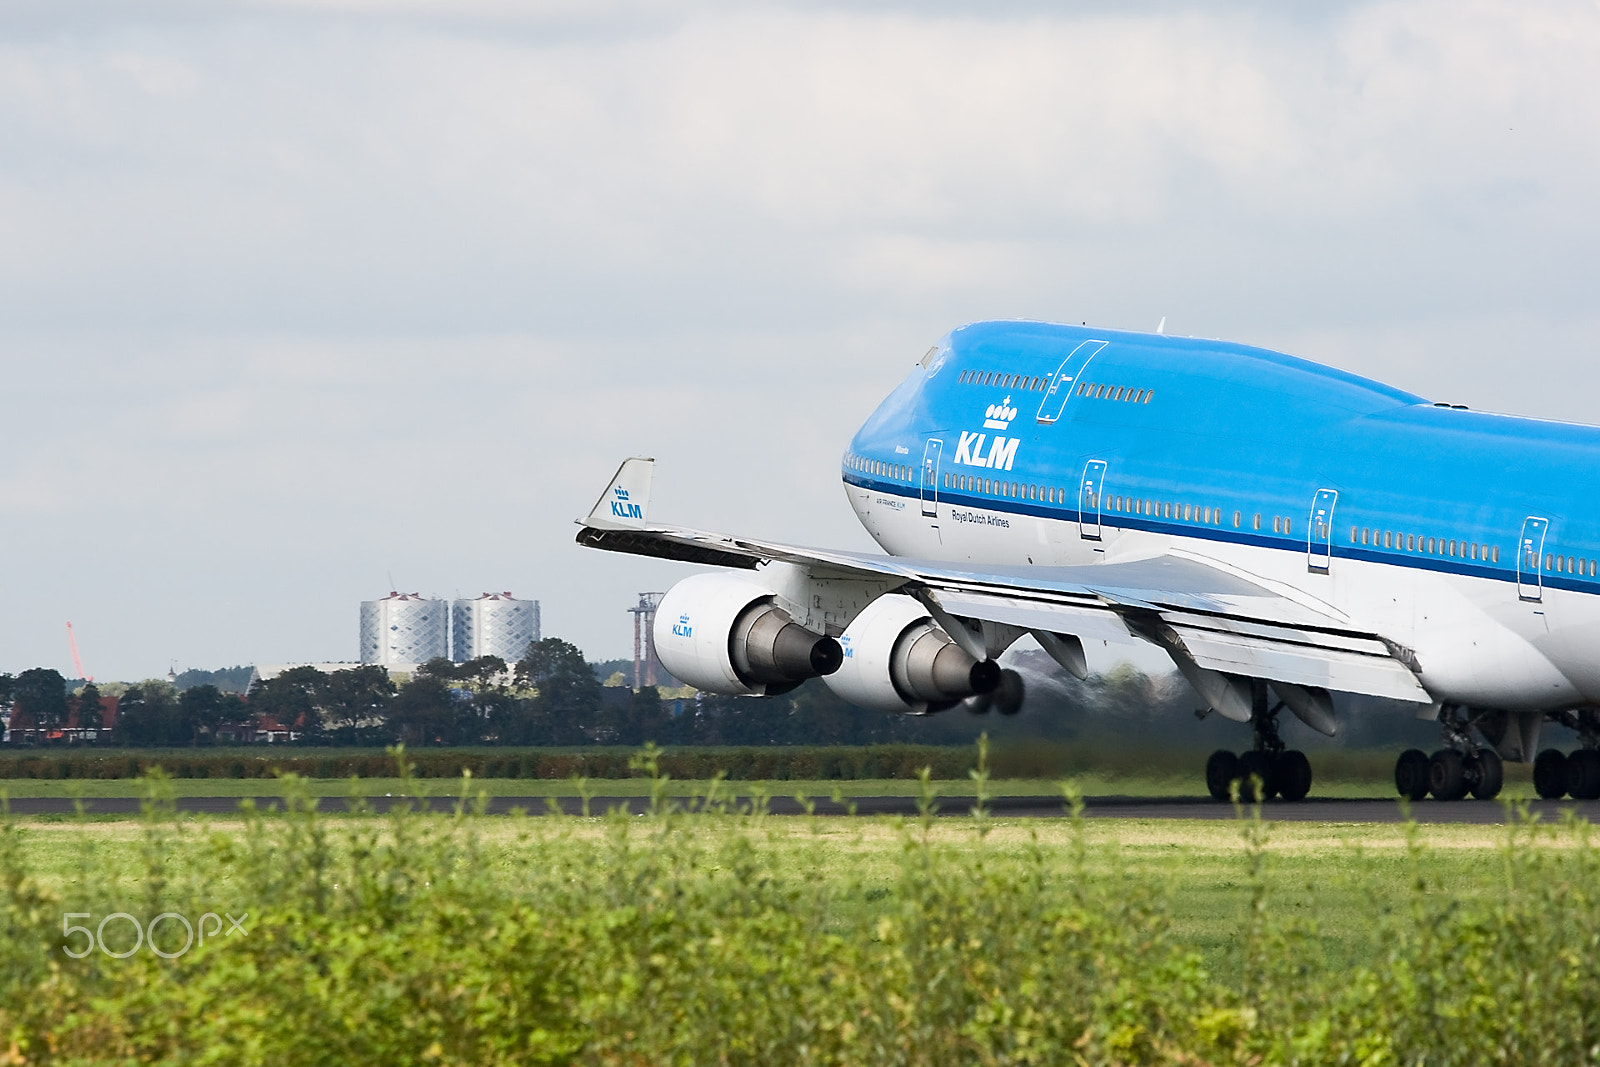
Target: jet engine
[(725, 633), (897, 659)]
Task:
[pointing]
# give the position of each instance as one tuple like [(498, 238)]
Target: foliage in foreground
[(700, 938)]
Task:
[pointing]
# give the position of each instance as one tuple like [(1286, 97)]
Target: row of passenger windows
[(1214, 516), (971, 483), (1004, 380), (1433, 546), (1564, 564), (1166, 509), (1098, 391), (1127, 505), (903, 471)]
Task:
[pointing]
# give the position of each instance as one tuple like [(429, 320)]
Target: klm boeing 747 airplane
[(1282, 530)]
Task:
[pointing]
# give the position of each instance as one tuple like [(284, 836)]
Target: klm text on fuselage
[(1002, 451)]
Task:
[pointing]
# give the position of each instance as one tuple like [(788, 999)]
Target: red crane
[(77, 662)]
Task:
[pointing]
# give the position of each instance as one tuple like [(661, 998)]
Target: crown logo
[(999, 416), (621, 493)]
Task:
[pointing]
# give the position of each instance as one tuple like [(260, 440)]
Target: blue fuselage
[(1244, 436), (1473, 536)]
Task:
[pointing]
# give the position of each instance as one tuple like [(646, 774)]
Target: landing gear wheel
[(1291, 775), (1550, 774), (1411, 774), (1255, 764), (1222, 770), (1447, 775), (1487, 773), (1583, 774)]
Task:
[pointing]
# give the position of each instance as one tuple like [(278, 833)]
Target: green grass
[(1340, 875), (743, 939)]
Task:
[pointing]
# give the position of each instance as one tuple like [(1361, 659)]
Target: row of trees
[(553, 697)]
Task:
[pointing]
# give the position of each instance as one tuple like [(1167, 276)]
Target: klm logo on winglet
[(1002, 450), (626, 499), (682, 628), (621, 508)]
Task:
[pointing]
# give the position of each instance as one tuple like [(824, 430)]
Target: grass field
[(1338, 878), (748, 939)]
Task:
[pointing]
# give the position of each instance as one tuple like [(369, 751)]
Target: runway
[(1329, 810)]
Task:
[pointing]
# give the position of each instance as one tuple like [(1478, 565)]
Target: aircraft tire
[(1255, 764), (1488, 774), (1447, 775), (1583, 774), (1291, 774), (1222, 770), (1411, 774), (1550, 774)]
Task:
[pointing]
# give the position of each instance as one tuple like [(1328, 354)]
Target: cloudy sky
[(304, 301)]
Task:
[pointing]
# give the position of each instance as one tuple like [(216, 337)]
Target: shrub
[(697, 937)]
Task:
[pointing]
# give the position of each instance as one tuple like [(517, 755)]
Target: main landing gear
[(1557, 774), (1269, 769), (1462, 767)]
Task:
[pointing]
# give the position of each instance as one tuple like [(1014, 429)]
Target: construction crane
[(77, 661)]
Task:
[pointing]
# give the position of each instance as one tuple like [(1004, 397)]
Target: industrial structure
[(646, 667), (495, 624), (404, 628)]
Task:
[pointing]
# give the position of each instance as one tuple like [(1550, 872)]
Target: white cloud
[(302, 291)]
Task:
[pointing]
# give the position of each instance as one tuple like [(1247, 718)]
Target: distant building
[(404, 628), (495, 624)]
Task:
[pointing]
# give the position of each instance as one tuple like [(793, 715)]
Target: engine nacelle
[(724, 633), (897, 659)]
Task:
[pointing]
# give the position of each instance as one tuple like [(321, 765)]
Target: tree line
[(553, 697)]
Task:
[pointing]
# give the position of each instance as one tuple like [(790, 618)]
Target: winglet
[(624, 503)]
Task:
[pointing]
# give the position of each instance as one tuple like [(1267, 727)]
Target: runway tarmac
[(1331, 809)]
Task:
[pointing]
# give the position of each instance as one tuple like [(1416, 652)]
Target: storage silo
[(494, 624), (404, 628)]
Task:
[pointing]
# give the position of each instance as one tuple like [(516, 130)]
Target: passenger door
[(1530, 558), (931, 455), (1319, 531), (1094, 477), (1066, 380)]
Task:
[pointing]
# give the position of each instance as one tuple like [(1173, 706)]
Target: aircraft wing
[(1203, 614)]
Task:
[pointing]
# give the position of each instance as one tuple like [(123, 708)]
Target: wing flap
[(1093, 621), (1302, 664)]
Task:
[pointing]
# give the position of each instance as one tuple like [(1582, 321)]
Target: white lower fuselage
[(1476, 641)]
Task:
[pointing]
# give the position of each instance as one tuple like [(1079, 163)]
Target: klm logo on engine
[(1002, 450), (682, 628), (622, 508)]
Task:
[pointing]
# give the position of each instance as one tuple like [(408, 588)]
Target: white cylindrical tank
[(404, 628), (494, 624)]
